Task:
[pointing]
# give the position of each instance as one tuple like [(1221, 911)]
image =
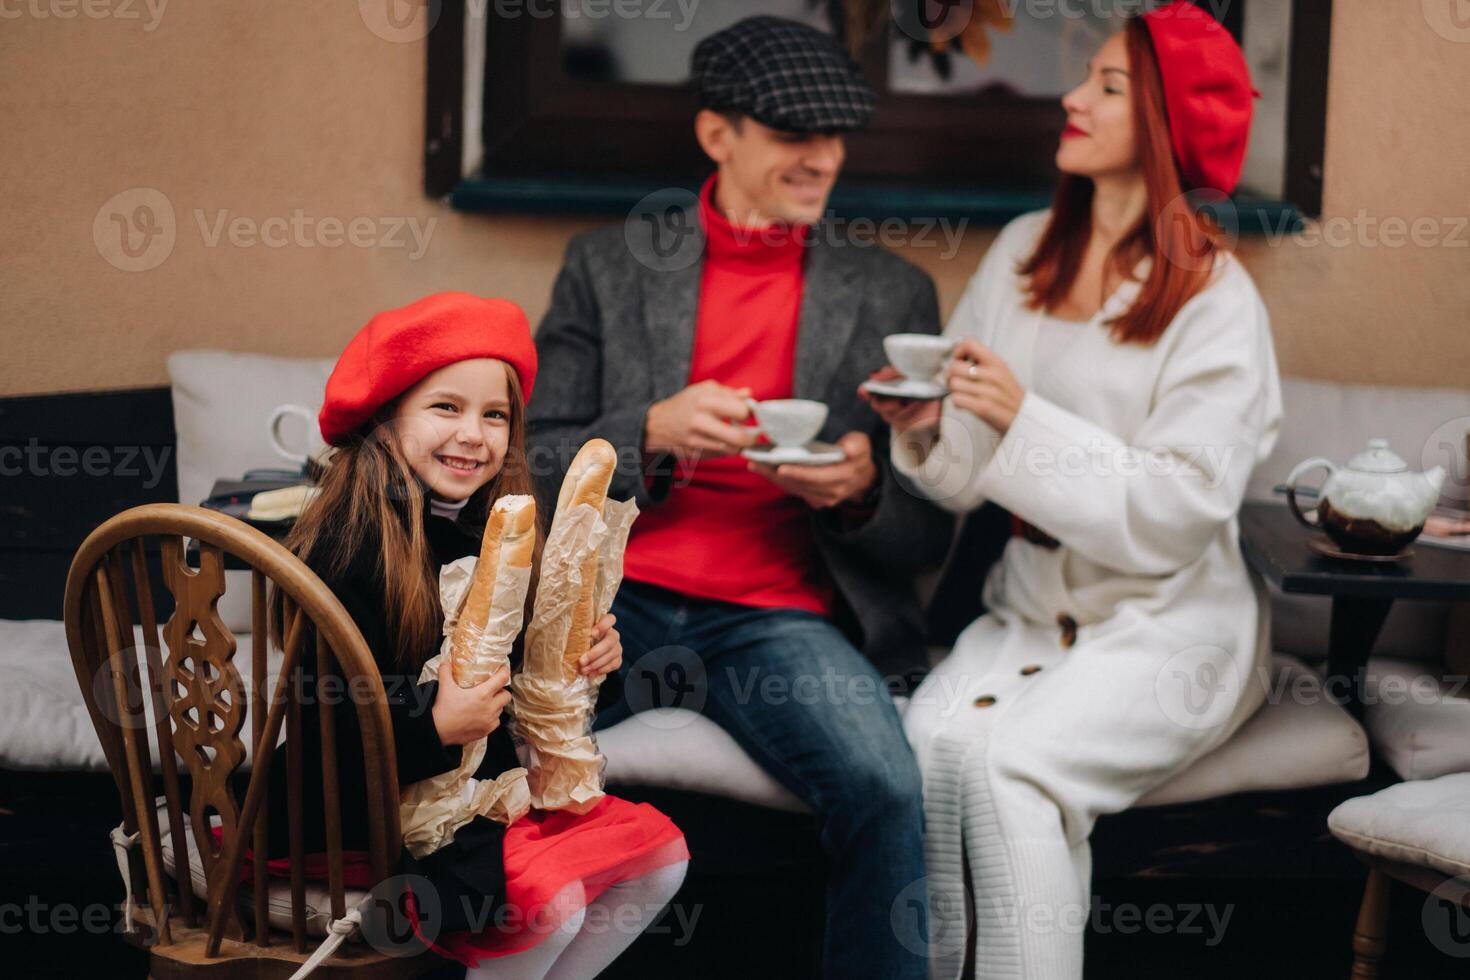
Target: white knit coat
[(1136, 459)]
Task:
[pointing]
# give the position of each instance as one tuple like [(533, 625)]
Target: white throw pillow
[(222, 404), (1418, 717)]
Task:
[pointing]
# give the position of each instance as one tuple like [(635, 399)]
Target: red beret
[(398, 348), (1207, 91)]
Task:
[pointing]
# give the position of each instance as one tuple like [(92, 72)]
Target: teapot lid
[(1378, 458)]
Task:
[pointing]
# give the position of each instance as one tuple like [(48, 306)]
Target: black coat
[(471, 867)]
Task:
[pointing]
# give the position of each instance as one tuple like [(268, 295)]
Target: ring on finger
[(973, 371)]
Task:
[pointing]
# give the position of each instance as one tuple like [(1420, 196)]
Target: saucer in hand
[(910, 388), (812, 454)]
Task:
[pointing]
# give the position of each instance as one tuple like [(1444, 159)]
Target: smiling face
[(453, 427), (767, 175), (1099, 140)]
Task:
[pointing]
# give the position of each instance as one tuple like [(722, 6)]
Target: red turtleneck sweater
[(724, 532)]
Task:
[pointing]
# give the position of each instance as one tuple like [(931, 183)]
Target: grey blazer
[(620, 335)]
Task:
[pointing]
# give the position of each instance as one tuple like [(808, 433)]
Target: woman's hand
[(606, 654), (981, 382), (465, 714), (902, 414)]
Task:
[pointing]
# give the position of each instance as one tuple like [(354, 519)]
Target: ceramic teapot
[(1372, 505)]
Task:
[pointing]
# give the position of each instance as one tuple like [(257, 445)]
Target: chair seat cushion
[(1298, 739), (278, 892), (1424, 822), (1418, 718)]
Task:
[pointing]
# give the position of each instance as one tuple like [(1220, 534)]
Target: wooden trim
[(444, 100), (1306, 106)]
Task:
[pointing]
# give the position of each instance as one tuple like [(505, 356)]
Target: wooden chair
[(1400, 834), (198, 699)]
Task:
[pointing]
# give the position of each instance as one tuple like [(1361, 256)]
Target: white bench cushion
[(1298, 739), (1425, 822), (43, 720), (1419, 719)]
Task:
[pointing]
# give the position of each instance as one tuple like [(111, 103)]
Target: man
[(760, 583)]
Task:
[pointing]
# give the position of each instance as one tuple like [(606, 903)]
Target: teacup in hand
[(789, 422), (918, 356)]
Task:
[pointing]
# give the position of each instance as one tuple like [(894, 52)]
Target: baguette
[(586, 482), (510, 537)]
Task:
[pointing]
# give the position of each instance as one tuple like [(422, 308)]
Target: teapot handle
[(1296, 474)]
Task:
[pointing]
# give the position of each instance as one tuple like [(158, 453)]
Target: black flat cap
[(782, 74)]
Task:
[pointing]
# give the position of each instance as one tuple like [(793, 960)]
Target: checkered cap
[(784, 75)]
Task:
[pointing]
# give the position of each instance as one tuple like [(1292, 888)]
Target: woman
[(1112, 387)]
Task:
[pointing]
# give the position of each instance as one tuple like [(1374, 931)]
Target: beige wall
[(257, 110)]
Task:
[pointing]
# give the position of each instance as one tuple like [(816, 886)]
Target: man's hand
[(836, 483), (902, 414), (700, 420)]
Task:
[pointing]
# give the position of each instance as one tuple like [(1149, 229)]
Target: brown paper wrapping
[(552, 703), (431, 810)]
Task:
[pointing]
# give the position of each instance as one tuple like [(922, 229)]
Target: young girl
[(426, 407)]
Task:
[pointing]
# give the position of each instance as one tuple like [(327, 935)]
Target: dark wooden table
[(1362, 593)]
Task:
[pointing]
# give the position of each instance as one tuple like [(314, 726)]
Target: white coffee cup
[(919, 356), (789, 422), (313, 445)]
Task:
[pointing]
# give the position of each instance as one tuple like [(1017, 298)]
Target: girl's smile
[(454, 426)]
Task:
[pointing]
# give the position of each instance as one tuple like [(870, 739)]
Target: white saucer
[(812, 454), (919, 391)]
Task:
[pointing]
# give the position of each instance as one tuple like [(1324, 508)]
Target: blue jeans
[(814, 713)]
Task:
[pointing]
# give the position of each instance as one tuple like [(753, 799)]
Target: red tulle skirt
[(544, 852)]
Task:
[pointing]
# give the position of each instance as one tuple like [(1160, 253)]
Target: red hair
[(1181, 241)]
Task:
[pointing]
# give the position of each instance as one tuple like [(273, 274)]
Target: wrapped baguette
[(581, 569), (484, 600), (510, 538)]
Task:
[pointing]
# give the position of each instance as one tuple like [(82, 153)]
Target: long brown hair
[(370, 499), (1169, 232)]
